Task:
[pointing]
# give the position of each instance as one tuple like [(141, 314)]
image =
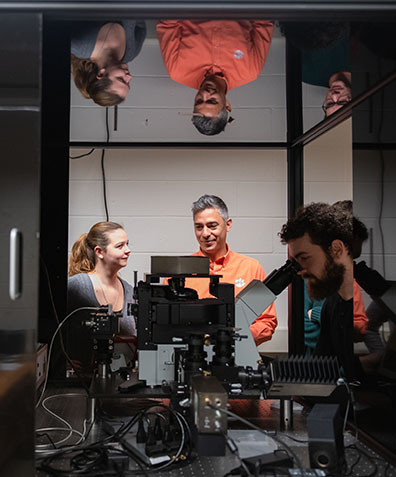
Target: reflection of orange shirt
[(360, 319), (236, 49), (239, 270)]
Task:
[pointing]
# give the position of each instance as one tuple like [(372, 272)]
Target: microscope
[(103, 326), (200, 352), (180, 334)]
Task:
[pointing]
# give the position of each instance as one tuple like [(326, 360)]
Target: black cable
[(300, 441), (124, 429), (93, 459), (90, 460), (172, 463), (234, 449), (52, 344), (103, 168), (82, 155), (136, 460), (266, 433), (52, 300), (349, 472), (368, 457), (383, 462), (190, 439), (62, 344), (45, 434)]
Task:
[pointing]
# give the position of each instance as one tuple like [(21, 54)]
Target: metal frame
[(295, 188), (342, 114), (277, 10), (54, 186), (172, 145)]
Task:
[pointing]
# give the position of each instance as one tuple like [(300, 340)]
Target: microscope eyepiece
[(280, 278)]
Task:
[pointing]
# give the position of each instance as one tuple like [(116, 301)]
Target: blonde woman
[(100, 53), (94, 263)]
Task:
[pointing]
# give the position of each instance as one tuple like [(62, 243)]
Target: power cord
[(234, 449), (70, 362), (83, 155), (370, 459), (54, 445), (272, 435), (103, 166), (94, 459), (52, 343)]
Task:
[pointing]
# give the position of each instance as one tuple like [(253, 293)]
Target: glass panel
[(374, 186), (327, 178), (247, 56), (325, 66)]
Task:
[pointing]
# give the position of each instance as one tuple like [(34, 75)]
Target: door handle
[(15, 277)]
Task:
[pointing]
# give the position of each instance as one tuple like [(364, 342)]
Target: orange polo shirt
[(360, 319), (239, 270), (235, 49)]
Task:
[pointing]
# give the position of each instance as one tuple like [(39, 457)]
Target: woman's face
[(117, 252), (120, 78)]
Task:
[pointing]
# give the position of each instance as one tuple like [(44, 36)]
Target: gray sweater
[(80, 292), (84, 34)]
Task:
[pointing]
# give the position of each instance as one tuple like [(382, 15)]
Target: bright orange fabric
[(360, 319), (239, 270), (237, 50)]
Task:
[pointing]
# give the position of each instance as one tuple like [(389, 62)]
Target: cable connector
[(141, 435), (167, 437), (157, 429), (151, 439)]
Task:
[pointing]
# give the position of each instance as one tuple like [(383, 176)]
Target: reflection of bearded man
[(329, 283)]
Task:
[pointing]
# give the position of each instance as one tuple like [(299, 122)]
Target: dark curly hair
[(359, 229), (314, 35), (323, 223)]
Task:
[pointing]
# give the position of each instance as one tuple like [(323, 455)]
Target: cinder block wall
[(375, 198), (150, 191)]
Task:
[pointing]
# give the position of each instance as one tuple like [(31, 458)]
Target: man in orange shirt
[(213, 57), (211, 225)]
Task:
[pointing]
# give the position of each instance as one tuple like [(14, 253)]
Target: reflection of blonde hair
[(82, 258), (85, 72)]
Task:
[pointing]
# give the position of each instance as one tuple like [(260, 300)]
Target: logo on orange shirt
[(238, 54), (239, 282)]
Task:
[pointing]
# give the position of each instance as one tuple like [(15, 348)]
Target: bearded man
[(320, 239)]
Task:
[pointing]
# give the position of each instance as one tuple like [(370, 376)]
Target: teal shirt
[(311, 323), (319, 65)]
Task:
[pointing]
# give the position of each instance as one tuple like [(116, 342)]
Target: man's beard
[(319, 289)]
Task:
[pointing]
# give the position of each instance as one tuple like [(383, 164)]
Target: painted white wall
[(159, 109), (150, 192), (368, 189), (328, 166)]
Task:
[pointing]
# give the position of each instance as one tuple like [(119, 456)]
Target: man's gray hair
[(210, 202), (210, 126)]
